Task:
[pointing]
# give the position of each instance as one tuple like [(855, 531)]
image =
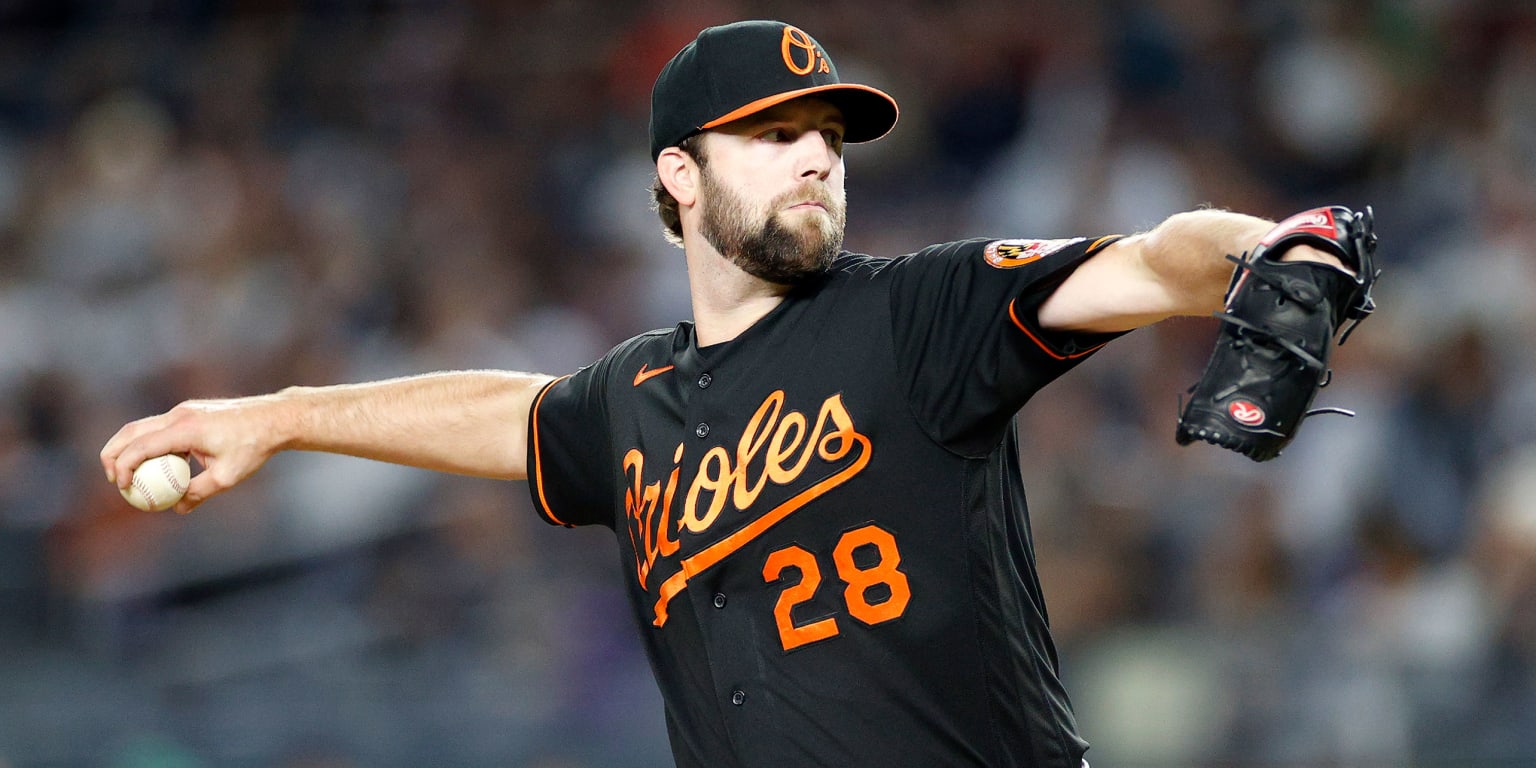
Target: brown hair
[(664, 203)]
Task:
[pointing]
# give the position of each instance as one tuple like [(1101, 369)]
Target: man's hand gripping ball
[(1277, 331)]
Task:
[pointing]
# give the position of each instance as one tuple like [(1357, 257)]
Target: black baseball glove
[(1277, 330)]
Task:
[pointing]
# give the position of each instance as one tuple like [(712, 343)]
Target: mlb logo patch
[(1008, 254)]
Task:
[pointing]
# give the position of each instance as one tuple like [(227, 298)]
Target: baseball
[(158, 483)]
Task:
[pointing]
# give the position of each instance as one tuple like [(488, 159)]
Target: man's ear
[(679, 174)]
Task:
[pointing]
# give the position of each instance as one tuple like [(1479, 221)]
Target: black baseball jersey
[(822, 522)]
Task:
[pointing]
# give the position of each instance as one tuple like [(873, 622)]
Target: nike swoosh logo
[(643, 374)]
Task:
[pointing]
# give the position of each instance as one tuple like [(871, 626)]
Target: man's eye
[(834, 139), (773, 134)]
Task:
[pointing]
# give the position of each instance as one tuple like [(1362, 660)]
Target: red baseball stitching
[(170, 477), (143, 489)]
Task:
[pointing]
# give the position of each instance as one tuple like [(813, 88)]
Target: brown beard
[(772, 250)]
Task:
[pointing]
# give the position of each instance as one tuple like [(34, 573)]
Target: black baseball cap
[(734, 70)]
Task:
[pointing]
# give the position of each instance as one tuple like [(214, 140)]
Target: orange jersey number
[(876, 592)]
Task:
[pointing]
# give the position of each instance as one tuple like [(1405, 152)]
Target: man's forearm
[(466, 422), (469, 422), (1180, 267), (1177, 268), (1187, 254)]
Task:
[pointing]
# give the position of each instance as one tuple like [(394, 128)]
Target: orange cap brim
[(874, 118)]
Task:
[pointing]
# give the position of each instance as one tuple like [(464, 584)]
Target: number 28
[(864, 602)]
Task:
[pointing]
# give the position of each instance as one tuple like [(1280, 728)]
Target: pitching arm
[(467, 422)]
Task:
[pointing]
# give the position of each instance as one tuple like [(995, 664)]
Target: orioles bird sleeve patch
[(1008, 254)]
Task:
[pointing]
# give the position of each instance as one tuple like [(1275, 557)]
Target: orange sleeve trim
[(538, 463), (1046, 348), (1103, 241), (1014, 316)]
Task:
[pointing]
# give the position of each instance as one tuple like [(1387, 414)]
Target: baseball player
[(814, 483)]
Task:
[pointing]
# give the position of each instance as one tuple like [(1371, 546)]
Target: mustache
[(818, 194)]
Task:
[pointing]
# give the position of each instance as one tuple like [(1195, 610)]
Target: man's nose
[(816, 156)]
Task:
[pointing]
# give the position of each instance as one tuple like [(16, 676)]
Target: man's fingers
[(147, 446), (198, 491), (113, 450), (141, 440)]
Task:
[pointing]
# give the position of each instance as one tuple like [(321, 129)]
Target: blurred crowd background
[(208, 199)]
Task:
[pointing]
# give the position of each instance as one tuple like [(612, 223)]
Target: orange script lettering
[(775, 447)]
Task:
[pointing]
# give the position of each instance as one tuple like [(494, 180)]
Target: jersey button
[(738, 698), (702, 430), (705, 380), (719, 599)]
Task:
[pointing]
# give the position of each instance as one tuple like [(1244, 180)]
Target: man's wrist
[(285, 414), (1303, 252)]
